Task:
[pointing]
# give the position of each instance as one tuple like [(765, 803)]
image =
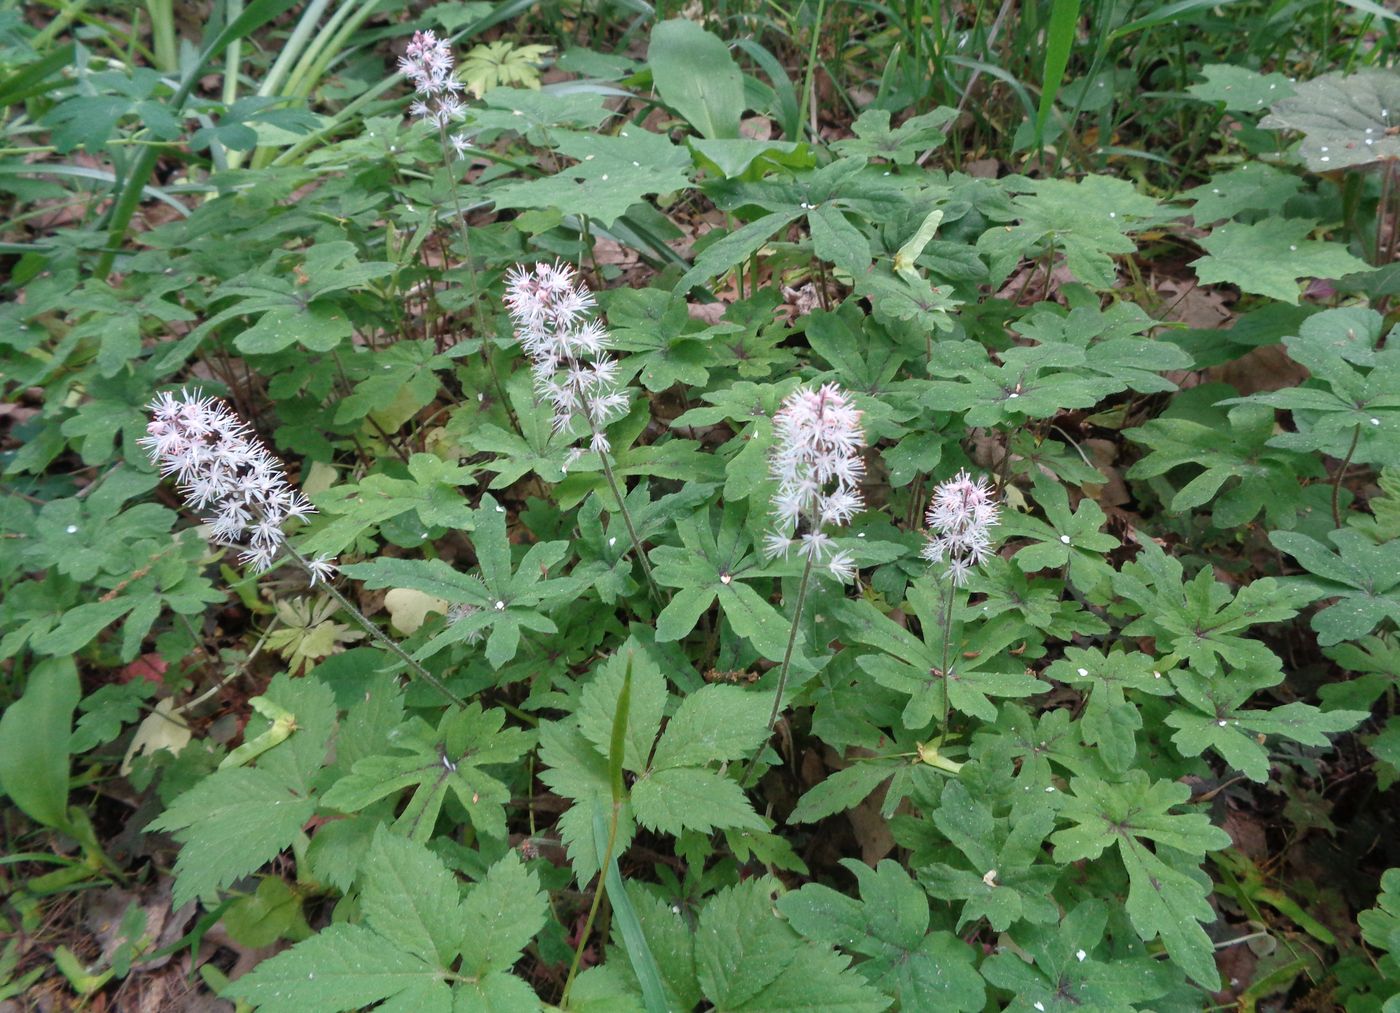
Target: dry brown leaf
[(1265, 368)]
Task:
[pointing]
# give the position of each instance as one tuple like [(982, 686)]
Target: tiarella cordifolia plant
[(428, 63), (223, 470), (567, 348), (218, 462), (572, 369), (816, 461), (960, 518)]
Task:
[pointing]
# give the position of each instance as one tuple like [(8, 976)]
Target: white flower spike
[(567, 348), (960, 519), (427, 62), (817, 439), (223, 471)]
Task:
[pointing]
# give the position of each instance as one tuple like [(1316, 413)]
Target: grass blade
[(633, 940), (618, 741), (1168, 14), (33, 79), (1372, 8), (1059, 40)]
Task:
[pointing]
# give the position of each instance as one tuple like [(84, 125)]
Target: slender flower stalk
[(960, 518), (817, 439), (428, 63), (568, 351), (223, 470), (379, 635)]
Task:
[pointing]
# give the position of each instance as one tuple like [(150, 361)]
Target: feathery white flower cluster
[(817, 437), (960, 519), (567, 347), (427, 62), (220, 465)]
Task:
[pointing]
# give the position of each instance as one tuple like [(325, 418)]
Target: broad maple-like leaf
[(1164, 899), (1269, 257), (1346, 120)]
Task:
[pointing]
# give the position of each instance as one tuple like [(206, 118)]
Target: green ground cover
[(737, 506)]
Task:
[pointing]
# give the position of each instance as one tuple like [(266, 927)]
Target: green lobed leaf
[(610, 175), (230, 824), (889, 925), (842, 790), (500, 916), (410, 898), (681, 798), (1268, 257), (714, 723), (749, 959), (1252, 186), (1240, 89), (343, 967), (1345, 119), (598, 704), (1163, 901)]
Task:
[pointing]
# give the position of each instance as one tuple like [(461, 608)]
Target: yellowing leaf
[(494, 64), (408, 609), (161, 729)]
